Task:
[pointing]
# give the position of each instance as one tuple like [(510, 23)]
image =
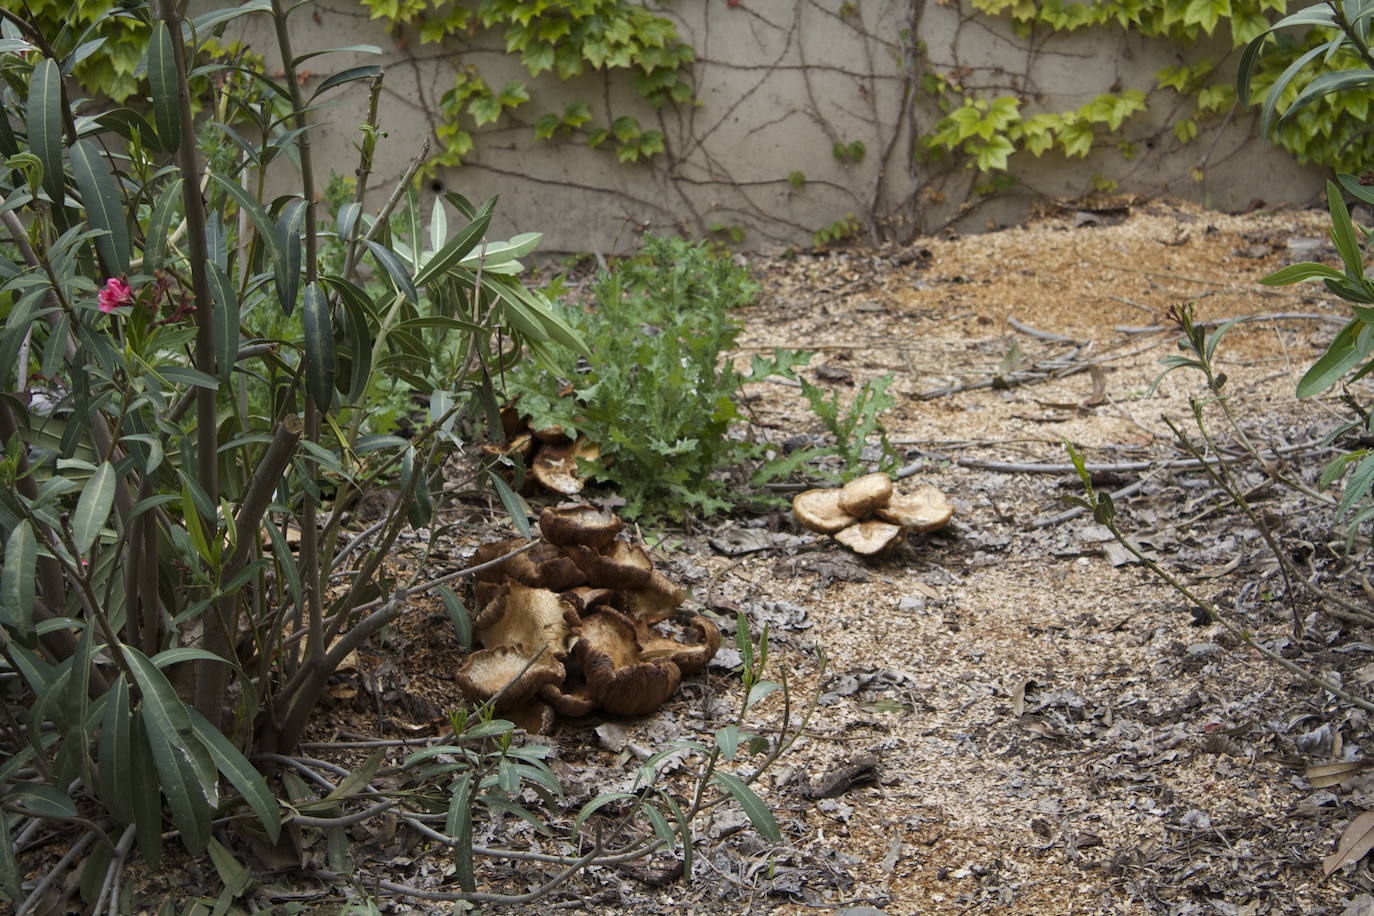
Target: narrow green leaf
[(1326, 83), (320, 359), (226, 324), (515, 506), (288, 268), (164, 87), (1268, 110), (203, 24), (684, 829), (241, 775), (458, 825), (753, 806), (262, 222), (357, 779), (400, 277), (160, 227), (45, 125), (1356, 487), (458, 248), (286, 562), (104, 206), (145, 797), (42, 799), (17, 578), (116, 754), (1343, 232), (1347, 349), (462, 623), (1305, 270), (232, 873), (346, 76), (727, 739), (10, 876), (595, 805), (93, 507), (184, 767)]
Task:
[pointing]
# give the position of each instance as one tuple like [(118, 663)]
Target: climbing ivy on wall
[(988, 131), (104, 41), (565, 37)]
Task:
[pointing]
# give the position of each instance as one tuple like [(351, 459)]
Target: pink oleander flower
[(115, 293)]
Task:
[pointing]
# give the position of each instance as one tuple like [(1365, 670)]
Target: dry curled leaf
[(1325, 775), (1357, 840)]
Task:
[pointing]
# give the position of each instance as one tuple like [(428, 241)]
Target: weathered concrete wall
[(778, 82)]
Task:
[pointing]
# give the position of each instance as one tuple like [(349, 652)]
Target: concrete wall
[(778, 82)]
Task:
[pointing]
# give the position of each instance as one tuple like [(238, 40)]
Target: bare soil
[(1013, 718)]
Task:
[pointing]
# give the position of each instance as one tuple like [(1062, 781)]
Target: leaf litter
[(1013, 719)]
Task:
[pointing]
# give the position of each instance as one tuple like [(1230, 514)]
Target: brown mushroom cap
[(655, 600), (586, 597), (553, 435), (689, 657), (573, 701), (617, 677), (863, 494), (518, 448), (619, 564), (924, 510), (542, 566), (527, 619), (486, 553), (486, 672), (582, 524), (819, 510), (555, 467), (869, 537), (535, 716)]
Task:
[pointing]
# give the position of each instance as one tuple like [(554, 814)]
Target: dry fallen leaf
[(1324, 775), (1357, 840)]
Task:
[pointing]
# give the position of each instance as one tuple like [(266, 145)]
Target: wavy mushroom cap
[(587, 597), (494, 550), (555, 467), (655, 600), (863, 494), (925, 509), (689, 657), (819, 510), (487, 672), (573, 701), (868, 538), (619, 564), (528, 619), (586, 525), (617, 677)]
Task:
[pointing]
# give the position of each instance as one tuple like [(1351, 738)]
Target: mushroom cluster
[(868, 516), (549, 456), (572, 624)]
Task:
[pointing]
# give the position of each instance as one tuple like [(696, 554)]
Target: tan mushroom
[(553, 435), (689, 657), (571, 700), (507, 671), (617, 677), (863, 494), (580, 524), (655, 600), (555, 468), (869, 538), (619, 564), (926, 509), (527, 619), (819, 510), (586, 597)]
